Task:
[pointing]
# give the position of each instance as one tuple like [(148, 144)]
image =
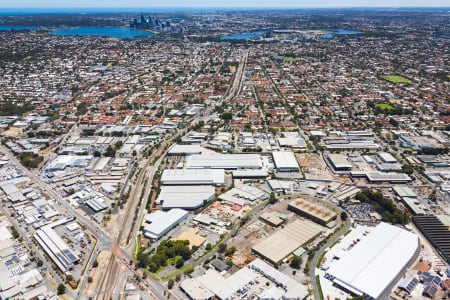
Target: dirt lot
[(314, 167)]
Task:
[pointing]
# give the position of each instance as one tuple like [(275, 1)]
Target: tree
[(143, 259), (179, 263), (89, 280), (229, 263), (344, 216), (222, 248), (230, 251), (227, 116), (208, 247), (408, 169), (61, 289), (170, 284), (95, 264), (296, 262), (272, 198)]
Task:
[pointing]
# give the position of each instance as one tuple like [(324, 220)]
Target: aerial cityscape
[(225, 151)]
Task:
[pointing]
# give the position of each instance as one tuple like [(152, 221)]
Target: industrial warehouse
[(186, 197), (283, 242), (193, 177), (224, 161), (376, 263), (159, 223), (312, 210), (55, 247), (285, 161)]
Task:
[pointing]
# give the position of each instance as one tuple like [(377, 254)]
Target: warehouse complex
[(159, 223), (312, 210), (283, 242), (252, 278), (376, 263)]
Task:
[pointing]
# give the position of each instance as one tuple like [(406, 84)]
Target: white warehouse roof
[(373, 265), (224, 161), (187, 197), (387, 157), (160, 222), (185, 149), (285, 160), (193, 176)]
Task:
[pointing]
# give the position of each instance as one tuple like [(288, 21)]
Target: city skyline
[(219, 4)]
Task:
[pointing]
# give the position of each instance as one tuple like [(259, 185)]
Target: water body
[(338, 32), (244, 36), (9, 28), (113, 32), (250, 35)]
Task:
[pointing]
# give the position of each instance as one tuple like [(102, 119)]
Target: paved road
[(312, 272)]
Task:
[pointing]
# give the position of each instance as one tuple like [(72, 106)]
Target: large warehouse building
[(183, 150), (159, 223), (186, 197), (224, 161), (377, 262), (436, 232), (193, 177), (56, 248), (339, 162), (312, 210), (285, 161), (280, 244)]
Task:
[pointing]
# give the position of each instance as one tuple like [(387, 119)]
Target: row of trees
[(384, 206)]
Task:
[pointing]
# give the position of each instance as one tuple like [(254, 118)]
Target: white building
[(186, 197), (185, 150), (377, 262), (224, 161), (193, 177), (285, 161), (159, 223)]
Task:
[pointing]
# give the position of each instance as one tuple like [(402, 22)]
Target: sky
[(217, 3)]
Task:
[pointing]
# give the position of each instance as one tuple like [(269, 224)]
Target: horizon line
[(212, 7)]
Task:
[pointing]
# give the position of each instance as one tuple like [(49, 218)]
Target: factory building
[(312, 210), (159, 222), (285, 161), (185, 197), (56, 248), (339, 162), (193, 177), (376, 263), (283, 242), (224, 161)]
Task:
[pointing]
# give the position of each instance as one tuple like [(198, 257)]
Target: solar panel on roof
[(70, 255)]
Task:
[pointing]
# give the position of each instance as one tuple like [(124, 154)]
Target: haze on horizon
[(24, 4)]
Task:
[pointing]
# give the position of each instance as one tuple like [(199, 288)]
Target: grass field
[(384, 106), (287, 59), (395, 79)]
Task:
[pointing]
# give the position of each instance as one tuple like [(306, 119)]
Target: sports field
[(384, 106), (395, 78)]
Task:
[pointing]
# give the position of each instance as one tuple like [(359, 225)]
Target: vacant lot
[(395, 79)]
